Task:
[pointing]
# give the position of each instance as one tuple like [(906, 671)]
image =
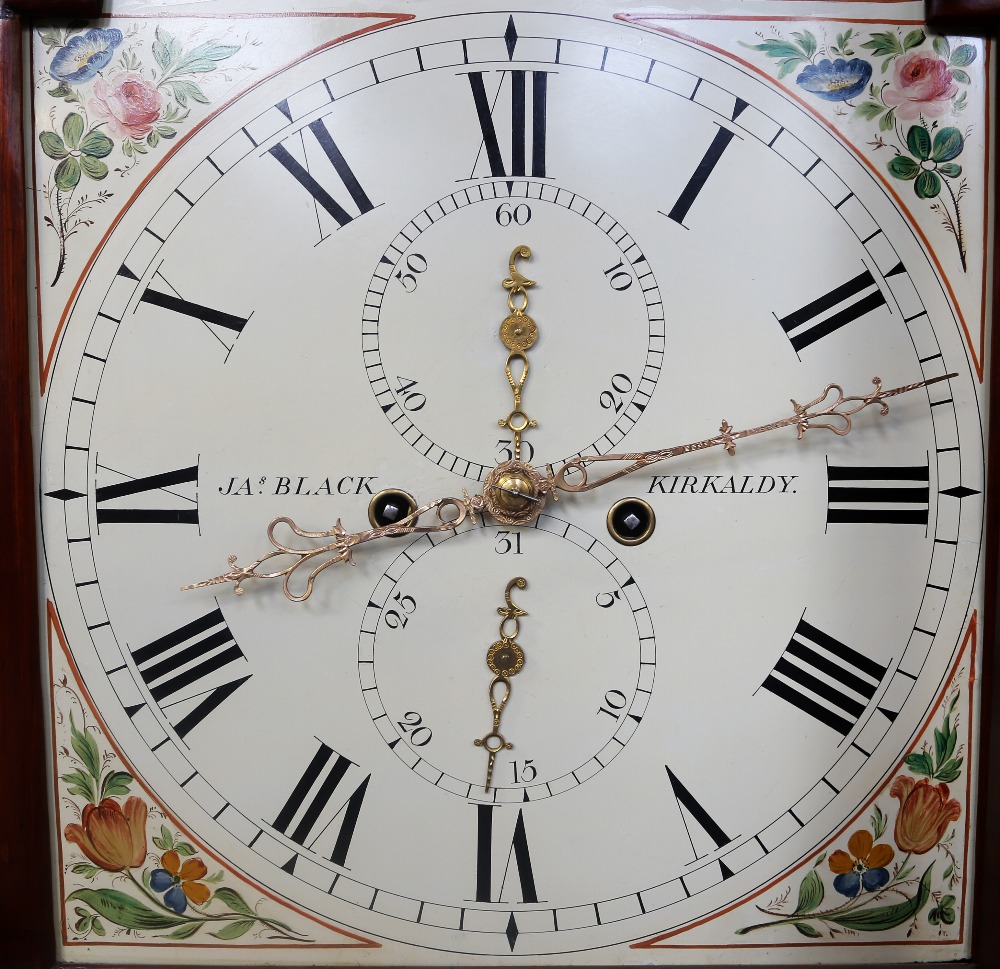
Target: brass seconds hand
[(511, 485)]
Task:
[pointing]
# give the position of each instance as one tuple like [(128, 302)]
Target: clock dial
[(583, 700), (610, 315), (300, 310)]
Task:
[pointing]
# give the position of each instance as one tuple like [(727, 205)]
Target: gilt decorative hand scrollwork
[(341, 549), (515, 492), (804, 418), (505, 658)]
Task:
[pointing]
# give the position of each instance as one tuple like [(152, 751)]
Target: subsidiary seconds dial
[(599, 358)]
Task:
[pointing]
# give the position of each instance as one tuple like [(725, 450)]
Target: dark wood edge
[(26, 892), (25, 883), (986, 903), (39, 9), (970, 18)]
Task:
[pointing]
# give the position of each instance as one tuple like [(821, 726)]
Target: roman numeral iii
[(878, 495), (825, 679)]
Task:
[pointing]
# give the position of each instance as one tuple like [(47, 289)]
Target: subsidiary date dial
[(581, 695)]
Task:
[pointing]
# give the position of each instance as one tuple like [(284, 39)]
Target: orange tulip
[(111, 836), (925, 811)]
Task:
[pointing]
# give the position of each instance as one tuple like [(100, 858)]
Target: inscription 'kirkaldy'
[(720, 484)]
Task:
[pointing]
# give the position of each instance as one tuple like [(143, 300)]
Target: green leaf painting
[(114, 97), (904, 84), (864, 889), (170, 896)]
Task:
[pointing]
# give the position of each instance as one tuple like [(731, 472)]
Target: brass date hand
[(505, 659), (832, 404)]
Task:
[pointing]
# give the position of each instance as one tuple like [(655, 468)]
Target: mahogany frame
[(27, 894)]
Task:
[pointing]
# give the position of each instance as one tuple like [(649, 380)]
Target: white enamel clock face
[(301, 309)]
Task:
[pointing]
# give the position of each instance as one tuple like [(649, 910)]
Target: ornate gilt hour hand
[(505, 658), (341, 549), (832, 404)]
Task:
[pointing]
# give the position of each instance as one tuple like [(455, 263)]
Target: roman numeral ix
[(182, 510)]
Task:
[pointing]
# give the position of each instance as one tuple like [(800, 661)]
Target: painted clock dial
[(301, 309)]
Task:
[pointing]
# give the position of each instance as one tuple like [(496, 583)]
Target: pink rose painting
[(130, 105), (921, 85), (114, 106), (916, 108)]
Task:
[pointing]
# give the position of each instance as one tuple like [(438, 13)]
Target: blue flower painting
[(85, 54), (837, 80)]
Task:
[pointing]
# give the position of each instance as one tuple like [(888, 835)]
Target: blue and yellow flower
[(180, 883), (85, 54), (837, 80), (865, 866)]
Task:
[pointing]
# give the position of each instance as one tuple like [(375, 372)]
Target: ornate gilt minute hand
[(515, 492), (806, 417)]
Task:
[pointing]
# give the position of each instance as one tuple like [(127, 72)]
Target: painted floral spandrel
[(918, 87), (168, 893), (112, 101), (876, 889)]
